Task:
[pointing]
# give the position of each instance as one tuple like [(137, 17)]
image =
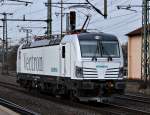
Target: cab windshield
[(99, 48)]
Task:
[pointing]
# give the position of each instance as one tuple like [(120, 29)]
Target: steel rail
[(136, 98), (86, 106), (16, 108), (129, 110), (111, 109)]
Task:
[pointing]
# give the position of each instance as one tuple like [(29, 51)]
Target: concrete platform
[(6, 111)]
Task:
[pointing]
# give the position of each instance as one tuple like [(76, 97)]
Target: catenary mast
[(49, 17), (145, 56)]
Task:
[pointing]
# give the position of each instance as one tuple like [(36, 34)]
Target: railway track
[(103, 108), (12, 86), (142, 98), (16, 108), (134, 101), (128, 110), (137, 98)]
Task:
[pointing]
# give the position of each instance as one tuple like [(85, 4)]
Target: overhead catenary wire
[(114, 14), (122, 24), (112, 11), (116, 23), (113, 17)]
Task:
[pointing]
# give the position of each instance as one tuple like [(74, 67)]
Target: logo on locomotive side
[(32, 63)]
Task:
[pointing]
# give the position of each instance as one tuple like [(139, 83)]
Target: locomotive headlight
[(121, 72), (79, 72)]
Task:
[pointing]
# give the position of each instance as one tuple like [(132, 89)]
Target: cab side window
[(63, 51)]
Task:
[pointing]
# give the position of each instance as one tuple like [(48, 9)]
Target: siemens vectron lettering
[(33, 63)]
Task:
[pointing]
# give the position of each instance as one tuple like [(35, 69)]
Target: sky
[(119, 22)]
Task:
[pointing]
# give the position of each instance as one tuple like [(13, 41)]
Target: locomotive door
[(65, 60), (19, 61)]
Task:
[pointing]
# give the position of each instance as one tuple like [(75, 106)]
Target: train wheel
[(72, 96), (122, 91)]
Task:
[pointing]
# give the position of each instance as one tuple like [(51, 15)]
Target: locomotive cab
[(95, 64), (102, 53)]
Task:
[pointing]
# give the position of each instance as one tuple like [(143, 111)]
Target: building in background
[(134, 54)]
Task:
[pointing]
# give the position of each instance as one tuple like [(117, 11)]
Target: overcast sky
[(119, 22)]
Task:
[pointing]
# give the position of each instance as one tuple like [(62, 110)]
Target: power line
[(114, 17), (121, 24), (25, 20), (114, 9), (118, 22), (26, 3)]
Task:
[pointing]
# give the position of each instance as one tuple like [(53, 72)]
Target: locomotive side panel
[(40, 61)]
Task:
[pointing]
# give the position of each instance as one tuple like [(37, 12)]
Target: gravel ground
[(133, 87), (8, 79), (132, 104), (42, 106), (45, 107)]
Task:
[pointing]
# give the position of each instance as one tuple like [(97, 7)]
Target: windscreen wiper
[(104, 50), (94, 58)]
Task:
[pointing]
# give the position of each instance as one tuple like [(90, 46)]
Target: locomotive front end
[(101, 67)]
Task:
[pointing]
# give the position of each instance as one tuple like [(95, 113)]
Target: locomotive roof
[(42, 43), (81, 36), (91, 36)]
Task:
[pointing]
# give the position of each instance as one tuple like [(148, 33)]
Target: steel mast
[(49, 18), (145, 53)]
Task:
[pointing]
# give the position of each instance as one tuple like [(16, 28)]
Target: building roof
[(135, 32)]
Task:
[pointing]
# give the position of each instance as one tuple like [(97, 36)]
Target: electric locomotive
[(86, 66)]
